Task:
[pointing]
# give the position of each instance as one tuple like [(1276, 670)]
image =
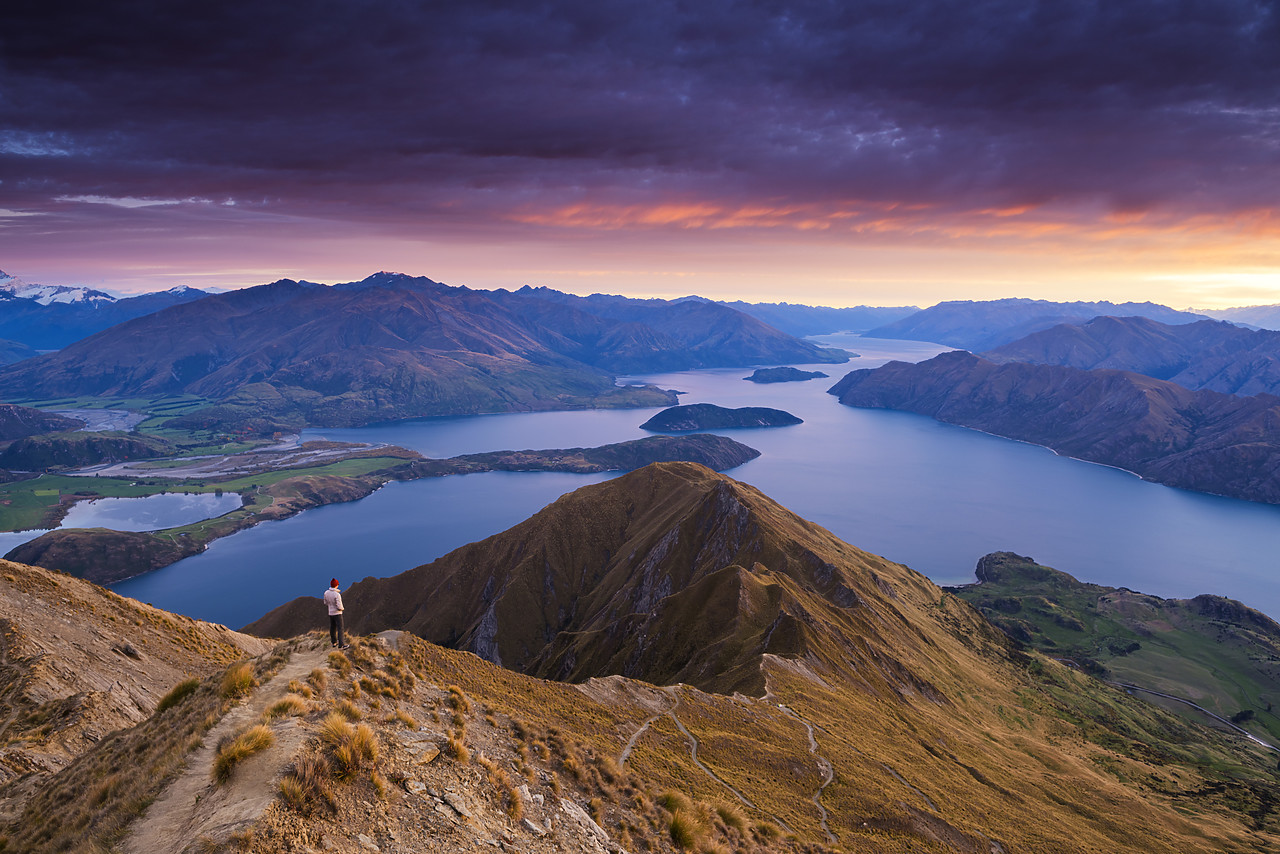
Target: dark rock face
[(783, 375), (708, 416), (1209, 354), (1198, 440)]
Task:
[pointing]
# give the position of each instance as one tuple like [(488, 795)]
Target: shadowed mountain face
[(17, 422), (978, 326), (1208, 354), (1200, 440), (669, 574), (392, 346)]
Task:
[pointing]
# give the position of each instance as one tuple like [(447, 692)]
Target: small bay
[(933, 496)]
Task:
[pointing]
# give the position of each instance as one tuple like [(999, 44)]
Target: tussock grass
[(338, 661), (674, 801), (348, 710), (455, 747), (336, 729), (459, 701), (686, 829), (405, 718), (317, 679), (289, 704), (732, 817), (238, 681), (176, 695), (232, 751), (306, 785)]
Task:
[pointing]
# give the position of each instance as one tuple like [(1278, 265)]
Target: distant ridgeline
[(291, 353)]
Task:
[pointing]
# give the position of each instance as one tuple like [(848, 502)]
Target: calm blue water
[(135, 514), (930, 495)]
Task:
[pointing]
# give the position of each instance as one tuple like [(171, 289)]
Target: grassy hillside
[(1215, 652)]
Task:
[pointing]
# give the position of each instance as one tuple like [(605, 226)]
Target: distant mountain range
[(804, 320), (393, 346), (978, 326), (1201, 440), (1206, 354), (1261, 316), (49, 317)]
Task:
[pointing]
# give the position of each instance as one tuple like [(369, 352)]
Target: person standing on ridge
[(333, 598)]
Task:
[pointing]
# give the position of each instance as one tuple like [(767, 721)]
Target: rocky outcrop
[(1199, 440), (708, 416)]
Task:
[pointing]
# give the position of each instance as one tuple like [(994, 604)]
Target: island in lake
[(783, 375), (708, 416)]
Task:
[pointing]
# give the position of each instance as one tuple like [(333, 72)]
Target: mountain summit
[(672, 573)]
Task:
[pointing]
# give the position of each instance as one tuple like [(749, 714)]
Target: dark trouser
[(335, 629)]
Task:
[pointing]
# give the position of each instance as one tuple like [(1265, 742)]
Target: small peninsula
[(708, 416), (783, 375), (337, 473)]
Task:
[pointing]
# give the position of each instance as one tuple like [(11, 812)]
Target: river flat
[(933, 496)]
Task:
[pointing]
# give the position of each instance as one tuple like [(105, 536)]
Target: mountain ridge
[(1201, 440)]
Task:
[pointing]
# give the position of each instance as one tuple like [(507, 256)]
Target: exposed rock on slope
[(80, 662), (1198, 440), (708, 416), (983, 325), (1208, 354)]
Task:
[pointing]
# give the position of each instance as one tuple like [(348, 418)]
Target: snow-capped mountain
[(48, 294), (49, 317)]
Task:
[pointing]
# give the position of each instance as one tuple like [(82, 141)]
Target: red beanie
[(333, 582)]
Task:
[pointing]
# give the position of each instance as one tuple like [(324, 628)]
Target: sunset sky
[(838, 153)]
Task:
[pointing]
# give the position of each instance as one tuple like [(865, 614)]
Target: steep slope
[(80, 662), (671, 573), (1207, 354), (1200, 440), (875, 713), (888, 716), (983, 325)]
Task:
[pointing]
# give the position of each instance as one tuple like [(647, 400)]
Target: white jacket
[(333, 598)]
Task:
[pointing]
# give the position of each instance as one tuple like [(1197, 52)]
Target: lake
[(933, 496), (150, 513)]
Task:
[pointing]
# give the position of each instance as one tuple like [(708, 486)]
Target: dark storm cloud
[(394, 110)]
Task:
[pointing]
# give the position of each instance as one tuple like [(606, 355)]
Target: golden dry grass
[(234, 750), (238, 681)]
